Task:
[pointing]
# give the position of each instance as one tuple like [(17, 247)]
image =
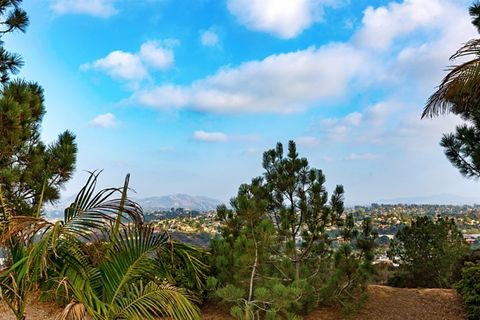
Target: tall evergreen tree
[(299, 208), (12, 18), (285, 246), (31, 172)]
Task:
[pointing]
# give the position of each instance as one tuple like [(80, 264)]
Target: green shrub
[(427, 251), (472, 256), (469, 288)]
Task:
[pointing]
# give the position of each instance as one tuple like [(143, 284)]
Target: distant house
[(471, 238)]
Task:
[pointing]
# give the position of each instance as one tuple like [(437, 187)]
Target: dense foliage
[(101, 262), (12, 18), (30, 171), (427, 251), (285, 246), (469, 288)]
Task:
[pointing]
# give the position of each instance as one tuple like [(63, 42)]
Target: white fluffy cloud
[(373, 125), (97, 8), (341, 126), (106, 120), (283, 18), (134, 66), (280, 83), (295, 81), (209, 38), (155, 55), (204, 136), (122, 65), (383, 25)]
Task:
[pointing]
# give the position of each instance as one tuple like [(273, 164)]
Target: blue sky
[(186, 95)]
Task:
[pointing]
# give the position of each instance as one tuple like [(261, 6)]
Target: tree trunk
[(254, 269)]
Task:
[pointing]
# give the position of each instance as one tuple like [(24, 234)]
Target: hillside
[(385, 303)]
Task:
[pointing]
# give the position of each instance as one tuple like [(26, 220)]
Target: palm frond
[(178, 255), (101, 203), (130, 259), (459, 91), (152, 300), (73, 311), (474, 11)]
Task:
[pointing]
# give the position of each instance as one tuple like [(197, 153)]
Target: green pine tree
[(29, 169), (31, 172), (284, 247), (12, 18), (299, 209)]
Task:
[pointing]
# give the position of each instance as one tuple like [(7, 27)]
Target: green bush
[(427, 251), (472, 256), (469, 288)]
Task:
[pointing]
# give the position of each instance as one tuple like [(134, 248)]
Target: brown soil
[(384, 303), (35, 311), (389, 303)]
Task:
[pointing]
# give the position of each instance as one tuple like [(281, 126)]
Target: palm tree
[(102, 260), (126, 284), (474, 11), (459, 91)]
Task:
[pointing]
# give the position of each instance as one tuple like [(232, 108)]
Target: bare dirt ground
[(35, 311), (389, 303), (385, 303)]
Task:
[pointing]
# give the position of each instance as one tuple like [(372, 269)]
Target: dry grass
[(385, 303)]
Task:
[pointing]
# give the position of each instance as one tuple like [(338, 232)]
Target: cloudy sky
[(186, 94)]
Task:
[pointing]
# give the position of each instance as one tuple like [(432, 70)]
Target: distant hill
[(447, 199), (198, 203)]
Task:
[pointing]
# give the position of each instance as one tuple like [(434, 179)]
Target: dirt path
[(35, 311), (385, 303), (389, 303)]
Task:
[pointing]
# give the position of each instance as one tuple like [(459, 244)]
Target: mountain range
[(166, 202), (179, 200)]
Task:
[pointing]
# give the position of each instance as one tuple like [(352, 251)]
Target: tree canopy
[(31, 171), (285, 246), (427, 251), (12, 19)]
